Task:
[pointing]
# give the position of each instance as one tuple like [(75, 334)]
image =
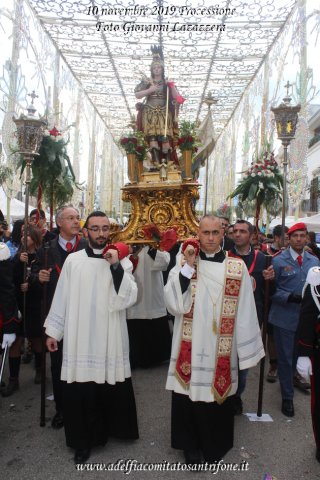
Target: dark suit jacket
[(56, 258)]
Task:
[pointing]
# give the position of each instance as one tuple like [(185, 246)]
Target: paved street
[(283, 448)]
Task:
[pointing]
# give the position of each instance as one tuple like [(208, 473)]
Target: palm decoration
[(52, 175), (5, 173), (261, 183)]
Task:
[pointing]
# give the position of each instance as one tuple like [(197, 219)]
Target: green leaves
[(252, 191), (53, 171)]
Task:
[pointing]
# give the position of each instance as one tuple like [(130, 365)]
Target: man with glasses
[(89, 312), (68, 241)]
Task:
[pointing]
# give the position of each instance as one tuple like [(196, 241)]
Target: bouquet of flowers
[(129, 143), (187, 136), (134, 143), (262, 182)]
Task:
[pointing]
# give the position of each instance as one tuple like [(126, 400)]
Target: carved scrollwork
[(165, 206)]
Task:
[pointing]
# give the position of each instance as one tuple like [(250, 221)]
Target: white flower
[(259, 173), (46, 133), (253, 174), (261, 185)]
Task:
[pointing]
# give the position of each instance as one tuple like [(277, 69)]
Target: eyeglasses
[(99, 229)]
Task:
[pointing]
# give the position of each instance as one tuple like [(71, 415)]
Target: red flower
[(168, 240), (151, 232), (191, 241), (124, 141), (54, 132), (180, 99)]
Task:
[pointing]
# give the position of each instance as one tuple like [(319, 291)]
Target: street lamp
[(286, 117), (29, 134)]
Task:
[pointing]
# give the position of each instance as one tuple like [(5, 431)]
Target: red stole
[(222, 381)]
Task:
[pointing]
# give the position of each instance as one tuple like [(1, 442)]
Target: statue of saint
[(157, 117)]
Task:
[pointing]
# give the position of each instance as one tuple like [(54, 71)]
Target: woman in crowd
[(30, 309)]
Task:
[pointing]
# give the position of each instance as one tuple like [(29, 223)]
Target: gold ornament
[(165, 204)]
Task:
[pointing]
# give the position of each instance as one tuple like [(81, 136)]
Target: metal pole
[(44, 348), (206, 189), (284, 190), (28, 159)]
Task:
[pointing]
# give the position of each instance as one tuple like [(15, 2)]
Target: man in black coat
[(10, 320), (256, 265), (308, 363), (68, 241)]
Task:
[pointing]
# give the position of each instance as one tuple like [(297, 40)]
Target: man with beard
[(88, 312)]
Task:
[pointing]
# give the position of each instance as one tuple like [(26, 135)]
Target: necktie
[(69, 246), (299, 258)]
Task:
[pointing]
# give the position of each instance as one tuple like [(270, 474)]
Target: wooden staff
[(264, 335), (167, 108), (44, 349)]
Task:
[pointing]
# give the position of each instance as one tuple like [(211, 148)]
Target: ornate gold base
[(166, 204), (153, 177)]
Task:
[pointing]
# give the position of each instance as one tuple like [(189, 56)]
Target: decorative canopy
[(217, 49)]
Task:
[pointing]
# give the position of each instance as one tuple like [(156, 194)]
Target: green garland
[(52, 170)]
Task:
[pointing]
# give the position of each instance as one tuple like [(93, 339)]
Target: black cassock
[(309, 346)]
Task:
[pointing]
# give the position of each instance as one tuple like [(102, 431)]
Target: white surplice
[(89, 315), (148, 275), (247, 343)]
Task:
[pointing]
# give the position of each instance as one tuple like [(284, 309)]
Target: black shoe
[(57, 421), (301, 383), (237, 405), (81, 455), (12, 386), (26, 358), (318, 454), (287, 408)]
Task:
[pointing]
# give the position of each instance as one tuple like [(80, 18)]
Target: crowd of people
[(104, 309)]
